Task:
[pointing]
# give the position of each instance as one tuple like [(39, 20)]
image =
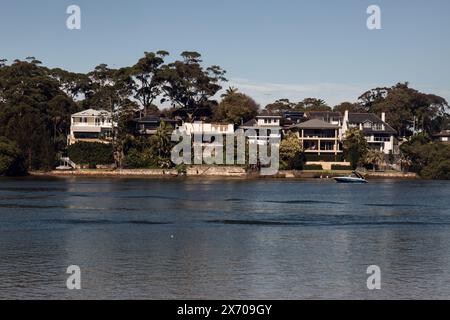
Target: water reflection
[(157, 239)]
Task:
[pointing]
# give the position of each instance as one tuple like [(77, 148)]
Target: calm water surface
[(262, 239)]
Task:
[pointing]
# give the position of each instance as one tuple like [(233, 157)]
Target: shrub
[(11, 159), (340, 167), (430, 160), (136, 159), (324, 157), (437, 170), (355, 147), (313, 167), (92, 153), (291, 154)]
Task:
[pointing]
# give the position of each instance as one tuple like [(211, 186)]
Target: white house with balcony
[(379, 135), (200, 127), (318, 137), (91, 126), (203, 129), (265, 128)]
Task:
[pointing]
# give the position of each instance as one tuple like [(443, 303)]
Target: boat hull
[(350, 180)]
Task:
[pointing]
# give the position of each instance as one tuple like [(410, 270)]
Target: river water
[(223, 239)]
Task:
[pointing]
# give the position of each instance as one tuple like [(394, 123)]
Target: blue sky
[(270, 49)]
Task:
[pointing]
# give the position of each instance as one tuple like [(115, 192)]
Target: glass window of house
[(378, 127)]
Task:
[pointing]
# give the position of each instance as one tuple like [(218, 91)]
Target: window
[(378, 127), (382, 139), (367, 125)]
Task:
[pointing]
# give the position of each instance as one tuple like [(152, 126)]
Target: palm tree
[(230, 91), (374, 157), (162, 145)]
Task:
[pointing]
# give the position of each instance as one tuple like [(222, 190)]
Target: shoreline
[(217, 173)]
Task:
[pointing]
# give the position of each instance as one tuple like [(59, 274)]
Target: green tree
[(427, 158), (236, 108), (150, 152), (147, 81), (189, 86), (291, 153), (407, 110), (312, 104), (34, 111), (162, 145), (11, 159), (229, 92), (355, 147), (374, 158), (280, 105), (351, 107)]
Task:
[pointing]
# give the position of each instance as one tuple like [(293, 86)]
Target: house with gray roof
[(379, 135), (264, 128), (91, 126), (318, 137)]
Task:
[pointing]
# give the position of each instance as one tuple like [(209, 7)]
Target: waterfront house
[(91, 126), (201, 129), (332, 117), (318, 138), (293, 117), (265, 127), (379, 135), (147, 126), (443, 137)]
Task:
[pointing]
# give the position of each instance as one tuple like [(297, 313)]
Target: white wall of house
[(89, 122), (386, 146), (206, 128), (267, 121)]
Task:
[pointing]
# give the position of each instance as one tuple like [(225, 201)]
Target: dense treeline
[(36, 103), (407, 110), (429, 159), (11, 159)]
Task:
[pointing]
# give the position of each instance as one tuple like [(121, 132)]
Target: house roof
[(358, 118), (363, 117), (253, 124), (153, 119), (321, 114), (316, 124), (92, 113), (250, 123), (268, 117), (443, 133)]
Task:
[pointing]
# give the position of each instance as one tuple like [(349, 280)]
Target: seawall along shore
[(217, 171)]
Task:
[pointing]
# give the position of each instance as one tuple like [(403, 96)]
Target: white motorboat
[(355, 177)]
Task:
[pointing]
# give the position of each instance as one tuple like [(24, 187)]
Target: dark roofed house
[(443, 136), (327, 116), (379, 134), (293, 117), (318, 137), (149, 125)]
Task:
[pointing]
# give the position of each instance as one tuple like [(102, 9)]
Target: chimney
[(383, 116)]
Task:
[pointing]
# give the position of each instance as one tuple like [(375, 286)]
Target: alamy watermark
[(73, 22), (242, 147), (74, 280), (374, 280), (374, 20)]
